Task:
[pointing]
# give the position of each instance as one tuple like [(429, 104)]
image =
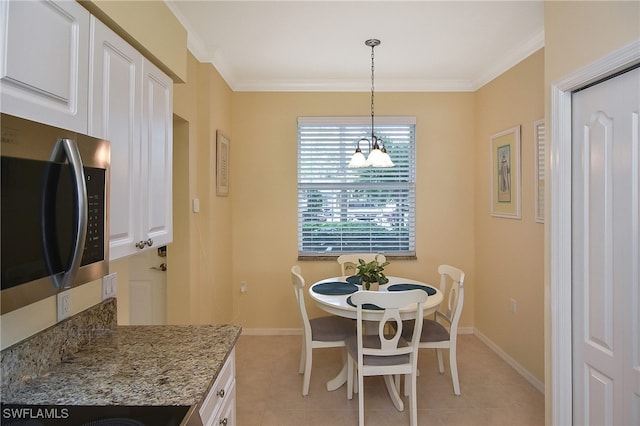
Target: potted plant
[(371, 273)]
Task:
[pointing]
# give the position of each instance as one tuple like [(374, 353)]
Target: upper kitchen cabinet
[(131, 105), (44, 62)]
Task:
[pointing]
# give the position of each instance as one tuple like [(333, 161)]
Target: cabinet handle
[(223, 422), (220, 393), (141, 244)]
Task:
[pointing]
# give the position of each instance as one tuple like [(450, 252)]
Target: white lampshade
[(386, 160), (357, 160), (376, 158)]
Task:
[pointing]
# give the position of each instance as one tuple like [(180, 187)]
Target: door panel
[(605, 239)]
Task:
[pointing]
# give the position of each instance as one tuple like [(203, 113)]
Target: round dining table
[(333, 296)]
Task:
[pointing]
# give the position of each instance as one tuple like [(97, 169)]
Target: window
[(343, 210)]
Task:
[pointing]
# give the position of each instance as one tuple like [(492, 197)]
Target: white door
[(605, 246), (147, 289)]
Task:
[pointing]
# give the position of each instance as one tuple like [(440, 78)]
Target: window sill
[(334, 258)]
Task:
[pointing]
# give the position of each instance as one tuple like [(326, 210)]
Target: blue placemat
[(369, 306), (403, 287), (335, 288), (354, 279)]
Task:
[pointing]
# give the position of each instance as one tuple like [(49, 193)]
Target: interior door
[(605, 240), (148, 288)]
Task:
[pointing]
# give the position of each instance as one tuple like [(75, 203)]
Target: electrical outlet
[(109, 286), (243, 287), (9, 135), (514, 305), (64, 305)]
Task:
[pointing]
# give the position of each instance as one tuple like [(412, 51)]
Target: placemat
[(369, 306), (403, 287), (335, 288), (354, 279)]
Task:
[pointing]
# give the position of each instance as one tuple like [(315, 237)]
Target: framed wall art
[(222, 164), (538, 143), (505, 173)]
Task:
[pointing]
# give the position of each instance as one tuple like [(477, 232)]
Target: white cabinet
[(131, 106), (44, 62), (156, 156), (219, 406)]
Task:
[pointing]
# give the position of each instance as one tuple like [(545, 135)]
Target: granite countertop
[(135, 365)]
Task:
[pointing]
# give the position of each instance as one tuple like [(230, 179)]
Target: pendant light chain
[(372, 91)]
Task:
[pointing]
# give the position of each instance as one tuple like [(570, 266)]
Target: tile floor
[(269, 389)]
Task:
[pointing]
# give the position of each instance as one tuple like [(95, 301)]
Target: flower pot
[(374, 286)]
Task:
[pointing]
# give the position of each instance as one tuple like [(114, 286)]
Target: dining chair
[(386, 353), (322, 332), (350, 261), (442, 332)]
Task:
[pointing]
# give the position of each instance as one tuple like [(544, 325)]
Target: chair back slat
[(298, 289), (388, 338), (452, 286)]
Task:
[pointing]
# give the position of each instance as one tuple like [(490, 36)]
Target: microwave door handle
[(69, 148)]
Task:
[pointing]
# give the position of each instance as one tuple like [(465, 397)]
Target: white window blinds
[(343, 210)]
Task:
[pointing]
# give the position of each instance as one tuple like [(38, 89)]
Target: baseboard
[(512, 362), (465, 330), (298, 331), (272, 331)]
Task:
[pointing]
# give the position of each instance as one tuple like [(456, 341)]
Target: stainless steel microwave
[(54, 207)]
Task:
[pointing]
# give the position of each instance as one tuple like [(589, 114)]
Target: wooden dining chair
[(386, 353), (323, 332), (442, 332), (349, 262)]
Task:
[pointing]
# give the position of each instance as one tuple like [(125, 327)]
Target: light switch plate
[(109, 286), (64, 305)]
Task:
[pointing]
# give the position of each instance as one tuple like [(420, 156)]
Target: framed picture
[(505, 174), (222, 164), (538, 143)]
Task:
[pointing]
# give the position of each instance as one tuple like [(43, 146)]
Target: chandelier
[(378, 156)]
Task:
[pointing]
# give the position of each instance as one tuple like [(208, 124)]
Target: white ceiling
[(319, 45)]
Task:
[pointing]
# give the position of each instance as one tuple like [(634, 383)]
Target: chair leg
[(360, 399), (453, 364), (307, 370), (413, 400), (406, 386), (440, 362), (349, 378), (302, 357)]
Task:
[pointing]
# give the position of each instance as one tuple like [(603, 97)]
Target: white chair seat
[(432, 331), (351, 344), (331, 328)]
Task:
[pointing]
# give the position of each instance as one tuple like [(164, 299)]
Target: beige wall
[(200, 258), (264, 194), (576, 35), (509, 252)]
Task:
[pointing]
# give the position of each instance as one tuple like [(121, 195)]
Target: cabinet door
[(156, 148), (44, 62), (115, 115), (227, 414)]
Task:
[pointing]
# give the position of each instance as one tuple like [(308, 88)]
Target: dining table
[(333, 295)]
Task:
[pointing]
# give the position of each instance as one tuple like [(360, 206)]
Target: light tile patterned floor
[(269, 389)]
